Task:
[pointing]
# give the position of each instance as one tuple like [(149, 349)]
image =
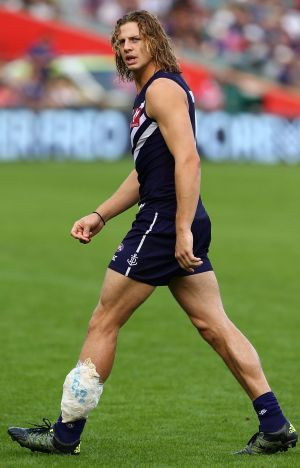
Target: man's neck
[(142, 76)]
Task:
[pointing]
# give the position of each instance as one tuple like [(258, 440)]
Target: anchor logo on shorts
[(132, 261)]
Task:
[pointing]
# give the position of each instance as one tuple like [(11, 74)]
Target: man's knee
[(103, 322), (209, 333), (213, 332)]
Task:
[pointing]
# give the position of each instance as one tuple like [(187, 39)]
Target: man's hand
[(86, 228), (184, 251)]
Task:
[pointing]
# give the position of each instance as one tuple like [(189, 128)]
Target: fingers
[(188, 261), (87, 233), (81, 232), (184, 251), (87, 227)]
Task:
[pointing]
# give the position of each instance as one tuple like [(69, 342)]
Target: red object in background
[(18, 31), (282, 102), (194, 75)]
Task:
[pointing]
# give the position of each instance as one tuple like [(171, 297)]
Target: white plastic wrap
[(81, 392)]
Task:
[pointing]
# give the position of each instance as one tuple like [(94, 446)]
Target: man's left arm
[(167, 103)]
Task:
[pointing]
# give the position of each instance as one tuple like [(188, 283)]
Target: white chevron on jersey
[(143, 138)]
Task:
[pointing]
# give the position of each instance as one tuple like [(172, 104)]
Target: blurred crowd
[(30, 81), (41, 79), (261, 37)]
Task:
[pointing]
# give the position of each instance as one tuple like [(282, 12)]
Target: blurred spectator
[(184, 23), (42, 9), (62, 92), (39, 58), (8, 95), (210, 95), (110, 10)]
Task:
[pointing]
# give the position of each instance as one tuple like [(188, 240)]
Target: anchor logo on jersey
[(132, 261), (135, 122)]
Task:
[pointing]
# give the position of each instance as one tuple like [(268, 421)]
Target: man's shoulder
[(164, 87), (162, 96)]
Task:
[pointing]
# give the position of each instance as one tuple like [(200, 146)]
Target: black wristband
[(96, 212)]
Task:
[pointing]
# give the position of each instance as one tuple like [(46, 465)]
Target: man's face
[(133, 47)]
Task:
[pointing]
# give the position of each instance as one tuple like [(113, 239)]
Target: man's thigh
[(199, 296), (121, 295)]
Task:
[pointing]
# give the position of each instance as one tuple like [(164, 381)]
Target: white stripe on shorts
[(142, 241)]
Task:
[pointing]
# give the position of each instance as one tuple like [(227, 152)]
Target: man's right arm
[(125, 197)]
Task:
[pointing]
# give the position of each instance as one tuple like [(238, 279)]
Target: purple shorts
[(147, 252)]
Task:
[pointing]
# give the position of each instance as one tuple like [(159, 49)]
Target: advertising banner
[(90, 134)]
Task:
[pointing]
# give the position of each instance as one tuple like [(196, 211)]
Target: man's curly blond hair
[(157, 42)]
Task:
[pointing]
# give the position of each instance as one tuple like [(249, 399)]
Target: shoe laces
[(253, 438), (40, 428)]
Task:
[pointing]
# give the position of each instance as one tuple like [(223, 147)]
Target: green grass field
[(170, 401)]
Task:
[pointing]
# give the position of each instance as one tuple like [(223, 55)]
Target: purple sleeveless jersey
[(153, 161), (147, 253)]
